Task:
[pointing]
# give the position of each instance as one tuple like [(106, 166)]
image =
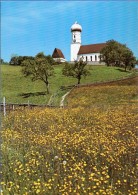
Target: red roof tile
[(93, 48), (57, 53)]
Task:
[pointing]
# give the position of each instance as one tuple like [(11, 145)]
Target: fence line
[(105, 82), (4, 107), (7, 107)]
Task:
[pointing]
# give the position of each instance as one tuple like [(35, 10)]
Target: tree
[(128, 59), (17, 60), (109, 52), (39, 68), (117, 54), (76, 70), (13, 61), (1, 61)]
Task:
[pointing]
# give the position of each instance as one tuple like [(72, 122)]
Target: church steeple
[(76, 30)]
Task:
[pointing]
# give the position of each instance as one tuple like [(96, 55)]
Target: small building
[(58, 55), (89, 53)]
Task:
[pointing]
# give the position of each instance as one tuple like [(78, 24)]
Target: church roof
[(57, 53), (93, 48)]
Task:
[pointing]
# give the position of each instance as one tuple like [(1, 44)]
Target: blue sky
[(29, 27)]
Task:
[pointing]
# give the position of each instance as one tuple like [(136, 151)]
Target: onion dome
[(76, 27)]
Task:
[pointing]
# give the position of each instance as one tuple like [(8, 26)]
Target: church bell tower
[(76, 30)]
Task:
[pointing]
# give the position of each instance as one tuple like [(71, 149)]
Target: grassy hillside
[(18, 89), (88, 148), (120, 92)]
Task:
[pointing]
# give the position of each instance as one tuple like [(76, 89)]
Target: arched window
[(86, 58), (91, 58), (74, 36), (95, 58)]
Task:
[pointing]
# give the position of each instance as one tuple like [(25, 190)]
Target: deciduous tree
[(76, 70), (128, 59), (117, 54), (39, 68)]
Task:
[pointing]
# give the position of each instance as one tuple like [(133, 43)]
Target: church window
[(91, 58), (95, 58), (74, 36), (86, 58)]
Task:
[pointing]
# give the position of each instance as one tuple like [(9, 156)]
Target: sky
[(30, 27)]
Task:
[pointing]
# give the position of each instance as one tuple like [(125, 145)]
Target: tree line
[(17, 60), (3, 62)]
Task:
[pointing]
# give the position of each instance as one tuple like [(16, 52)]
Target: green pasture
[(18, 89)]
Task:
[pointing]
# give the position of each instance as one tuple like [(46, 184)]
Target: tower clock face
[(74, 40)]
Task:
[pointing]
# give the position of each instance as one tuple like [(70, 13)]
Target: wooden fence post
[(28, 103), (4, 106)]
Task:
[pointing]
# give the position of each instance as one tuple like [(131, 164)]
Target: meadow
[(117, 93), (72, 151), (89, 147), (18, 89)]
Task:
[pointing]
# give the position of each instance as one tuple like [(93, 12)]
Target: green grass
[(18, 89)]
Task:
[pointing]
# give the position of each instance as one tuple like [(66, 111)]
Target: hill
[(18, 89), (104, 94), (87, 148)]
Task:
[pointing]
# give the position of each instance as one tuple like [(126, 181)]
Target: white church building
[(89, 53)]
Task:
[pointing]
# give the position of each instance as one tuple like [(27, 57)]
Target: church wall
[(91, 57), (74, 51), (59, 59)]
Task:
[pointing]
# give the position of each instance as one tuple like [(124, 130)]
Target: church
[(58, 55), (89, 53)]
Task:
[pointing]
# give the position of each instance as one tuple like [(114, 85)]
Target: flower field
[(121, 92), (88, 148)]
